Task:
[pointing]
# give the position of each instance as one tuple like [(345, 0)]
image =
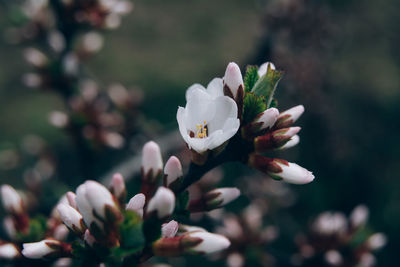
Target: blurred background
[(341, 61)]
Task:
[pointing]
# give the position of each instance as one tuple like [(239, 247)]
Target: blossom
[(209, 118), (45, 248)]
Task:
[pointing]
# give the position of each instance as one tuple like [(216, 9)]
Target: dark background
[(341, 61)]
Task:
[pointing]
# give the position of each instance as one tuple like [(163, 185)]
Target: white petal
[(215, 87)]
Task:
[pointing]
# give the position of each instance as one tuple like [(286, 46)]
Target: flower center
[(201, 130)]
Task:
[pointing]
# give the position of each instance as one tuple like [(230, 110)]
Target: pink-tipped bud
[(96, 204), (291, 143), (279, 169), (330, 223), (152, 160), (45, 249), (214, 199), (162, 203), (289, 116), (359, 216), (169, 229), (71, 218), (136, 204), (172, 171), (71, 199), (9, 251), (262, 70), (118, 188), (233, 80), (274, 140), (12, 201), (197, 242), (267, 118)]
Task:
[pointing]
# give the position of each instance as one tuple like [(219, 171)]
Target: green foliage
[(250, 78), (37, 230), (266, 85), (252, 106), (131, 232)]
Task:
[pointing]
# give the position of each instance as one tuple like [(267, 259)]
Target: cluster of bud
[(341, 240)]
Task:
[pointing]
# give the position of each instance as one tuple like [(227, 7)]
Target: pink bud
[(71, 218), (267, 118), (163, 203), (233, 78), (289, 116), (172, 170), (152, 160), (136, 204), (118, 187), (12, 201), (71, 199), (169, 229)]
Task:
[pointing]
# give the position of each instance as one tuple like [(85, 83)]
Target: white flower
[(163, 202), (209, 118), (262, 70), (41, 249), (8, 251), (136, 204)]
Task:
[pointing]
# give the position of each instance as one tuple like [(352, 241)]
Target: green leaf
[(252, 106), (267, 84), (131, 231), (37, 230), (250, 78)]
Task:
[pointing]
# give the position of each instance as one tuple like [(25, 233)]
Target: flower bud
[(96, 204), (279, 169), (71, 197), (328, 223), (262, 70), (136, 204), (233, 81), (152, 160), (12, 201), (333, 257), (60, 232), (263, 121), (275, 139), (152, 165), (9, 227), (359, 216), (190, 243), (376, 241), (172, 171), (214, 199), (35, 57), (117, 188), (169, 229), (71, 218), (46, 248), (163, 203), (8, 251), (291, 143), (289, 116)]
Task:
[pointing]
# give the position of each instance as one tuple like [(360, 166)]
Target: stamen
[(201, 131)]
